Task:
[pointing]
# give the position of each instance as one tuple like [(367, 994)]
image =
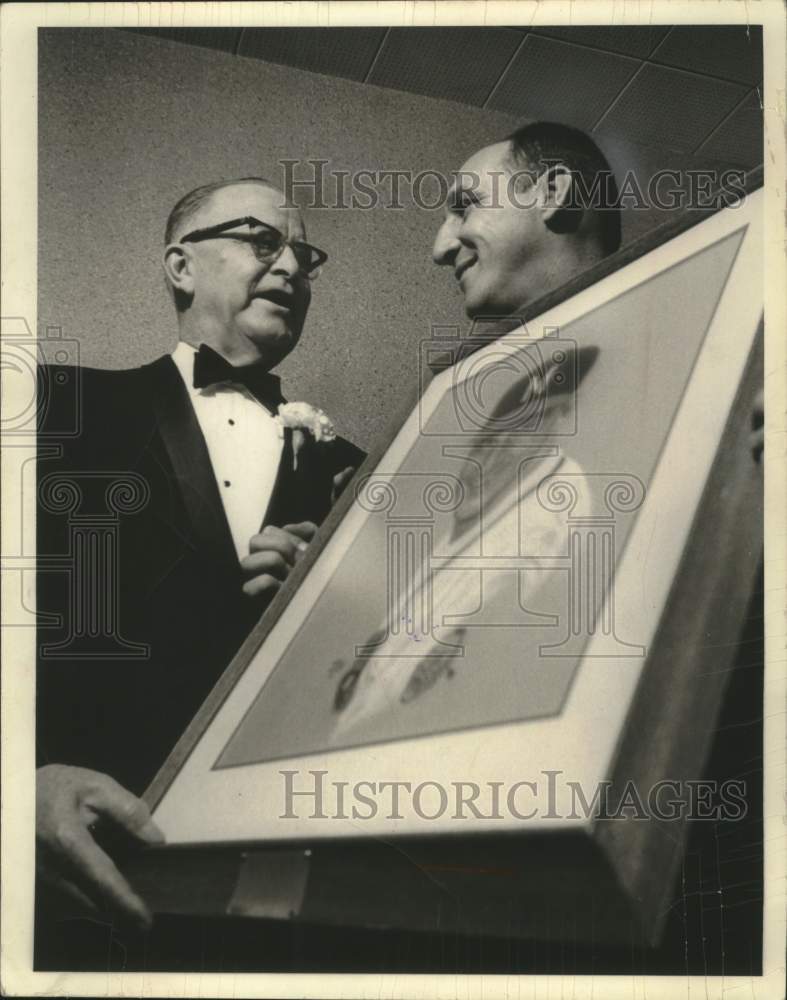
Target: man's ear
[(179, 270), (556, 185), (558, 208)]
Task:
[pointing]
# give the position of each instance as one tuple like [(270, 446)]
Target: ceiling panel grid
[(688, 88)]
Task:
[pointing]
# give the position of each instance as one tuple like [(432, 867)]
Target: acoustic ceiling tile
[(345, 52), (738, 140), (558, 81), (727, 50), (670, 107), (632, 40), (455, 64)]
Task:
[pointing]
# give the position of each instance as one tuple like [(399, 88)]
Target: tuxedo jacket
[(139, 587)]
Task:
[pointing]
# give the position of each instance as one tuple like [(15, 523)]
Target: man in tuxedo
[(183, 502)]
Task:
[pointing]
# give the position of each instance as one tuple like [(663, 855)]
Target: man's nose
[(286, 262), (446, 244)]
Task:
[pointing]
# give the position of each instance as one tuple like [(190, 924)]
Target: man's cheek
[(476, 284), (303, 307)]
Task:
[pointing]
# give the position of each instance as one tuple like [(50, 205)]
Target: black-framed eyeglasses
[(266, 241)]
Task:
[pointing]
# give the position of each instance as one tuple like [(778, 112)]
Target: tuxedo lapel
[(302, 493), (182, 441), (281, 504)]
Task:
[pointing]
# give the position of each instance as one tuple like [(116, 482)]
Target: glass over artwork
[(488, 556)]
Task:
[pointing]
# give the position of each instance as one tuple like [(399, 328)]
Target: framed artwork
[(533, 644), (494, 645)]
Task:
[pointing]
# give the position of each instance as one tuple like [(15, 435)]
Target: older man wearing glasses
[(231, 485)]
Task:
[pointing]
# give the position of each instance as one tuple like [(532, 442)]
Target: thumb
[(115, 803)]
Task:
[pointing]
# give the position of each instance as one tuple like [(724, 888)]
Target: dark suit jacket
[(143, 575)]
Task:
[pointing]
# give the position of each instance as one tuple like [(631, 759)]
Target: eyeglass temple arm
[(203, 234)]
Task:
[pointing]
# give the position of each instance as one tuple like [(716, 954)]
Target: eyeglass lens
[(269, 243)]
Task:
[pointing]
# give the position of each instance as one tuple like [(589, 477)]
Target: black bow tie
[(210, 368)]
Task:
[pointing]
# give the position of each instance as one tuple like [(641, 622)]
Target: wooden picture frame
[(679, 314)]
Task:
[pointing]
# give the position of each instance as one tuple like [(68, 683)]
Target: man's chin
[(481, 307), (272, 346), (475, 310), (489, 317)]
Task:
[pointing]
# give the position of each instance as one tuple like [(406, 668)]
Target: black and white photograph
[(393, 446)]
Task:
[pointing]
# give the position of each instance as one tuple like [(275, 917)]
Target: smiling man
[(525, 215), (210, 494)]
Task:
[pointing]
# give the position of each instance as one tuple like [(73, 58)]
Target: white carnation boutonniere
[(303, 419)]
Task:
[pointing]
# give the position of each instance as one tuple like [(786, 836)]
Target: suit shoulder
[(88, 382), (89, 376), (74, 400)]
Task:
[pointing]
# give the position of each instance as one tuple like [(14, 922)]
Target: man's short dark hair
[(190, 203), (538, 146)]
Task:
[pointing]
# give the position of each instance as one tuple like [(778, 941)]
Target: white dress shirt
[(244, 443)]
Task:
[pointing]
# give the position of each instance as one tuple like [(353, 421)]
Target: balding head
[(181, 216)]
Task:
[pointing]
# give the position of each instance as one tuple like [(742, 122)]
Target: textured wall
[(129, 124)]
